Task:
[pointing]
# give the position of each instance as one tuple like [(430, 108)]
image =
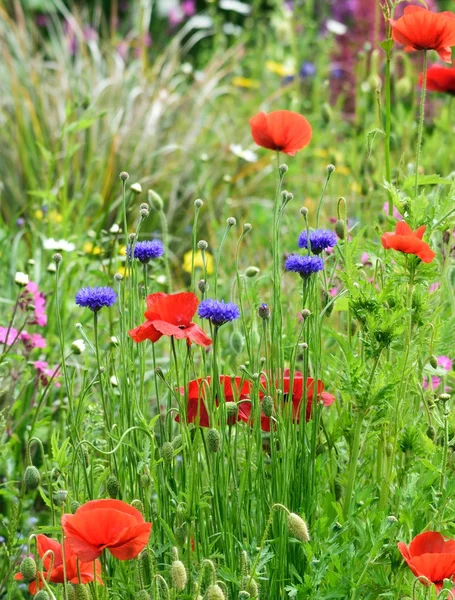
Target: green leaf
[(387, 45), (434, 179), (371, 136), (430, 466)]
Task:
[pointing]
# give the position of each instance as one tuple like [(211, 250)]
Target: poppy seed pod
[(213, 440), (167, 453), (28, 568), (214, 592), (41, 595), (178, 575), (298, 528), (32, 478), (112, 486), (81, 592)]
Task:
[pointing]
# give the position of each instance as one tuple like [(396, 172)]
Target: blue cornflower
[(145, 251), (218, 312), (95, 298), (304, 265), (320, 240)]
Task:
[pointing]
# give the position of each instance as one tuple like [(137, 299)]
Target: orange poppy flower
[(281, 130), (440, 79), (170, 314), (110, 524), (408, 241), (422, 29), (430, 557), (56, 574)]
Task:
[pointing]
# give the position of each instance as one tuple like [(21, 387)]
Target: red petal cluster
[(408, 241), (56, 574), (422, 29), (430, 557), (281, 130), (110, 524), (440, 79), (170, 314)]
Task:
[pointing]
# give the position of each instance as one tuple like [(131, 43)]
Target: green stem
[(388, 112), (353, 463), (421, 120), (444, 448)]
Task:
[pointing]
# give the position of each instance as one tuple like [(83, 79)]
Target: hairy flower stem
[(324, 189), (442, 481), (277, 324), (421, 120), (218, 258), (355, 451), (388, 115)]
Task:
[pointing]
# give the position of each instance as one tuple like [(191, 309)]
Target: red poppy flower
[(56, 575), (408, 241), (440, 79), (101, 524), (281, 130), (170, 314), (197, 390), (422, 29), (430, 556), (297, 395)]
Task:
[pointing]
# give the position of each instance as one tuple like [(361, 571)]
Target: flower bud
[(118, 277), (283, 169), (155, 200), (41, 595), (78, 346), (231, 221), (28, 568), (202, 286), (252, 271), (392, 519), (250, 586), (57, 258), (340, 229), (177, 442), (124, 175), (70, 592), (237, 342), (244, 595), (298, 528), (178, 575), (213, 440), (202, 245), (247, 227), (232, 410), (74, 506), (82, 592), (433, 361), (144, 213), (330, 169), (142, 595), (167, 453), (136, 188), (113, 486), (137, 504), (326, 113), (62, 495), (21, 279), (198, 203), (431, 432), (32, 478), (306, 313), (214, 592), (264, 311), (267, 406), (51, 268)]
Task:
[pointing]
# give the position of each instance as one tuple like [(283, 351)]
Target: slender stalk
[(388, 115), (421, 120)]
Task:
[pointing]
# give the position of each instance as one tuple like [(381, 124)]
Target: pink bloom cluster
[(32, 295), (446, 363)]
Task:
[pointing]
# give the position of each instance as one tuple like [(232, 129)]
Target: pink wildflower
[(446, 363), (396, 212), (434, 287), (32, 295), (12, 335), (32, 340), (45, 374)]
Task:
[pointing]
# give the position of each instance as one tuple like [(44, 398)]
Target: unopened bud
[(264, 311), (202, 245), (74, 506), (21, 279), (144, 213), (123, 175), (82, 592), (298, 528), (113, 486), (304, 211), (167, 453), (41, 595), (136, 188), (326, 113), (250, 586), (142, 595), (202, 286), (231, 221), (232, 411), (137, 504), (306, 313), (118, 277), (32, 478), (267, 406), (177, 442), (237, 342), (28, 568), (155, 200), (78, 346), (178, 575), (198, 203), (330, 169), (214, 592), (433, 361), (57, 258), (213, 440), (252, 271), (247, 227), (51, 268), (340, 229), (283, 169)]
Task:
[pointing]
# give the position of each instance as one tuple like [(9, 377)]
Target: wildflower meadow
[(227, 313)]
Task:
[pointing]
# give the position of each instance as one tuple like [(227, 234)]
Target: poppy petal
[(146, 331), (197, 335), (131, 542)]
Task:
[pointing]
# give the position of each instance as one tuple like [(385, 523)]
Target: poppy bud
[(326, 113), (155, 200), (28, 568), (213, 440), (180, 535), (232, 410), (198, 203), (264, 311), (231, 221), (41, 595), (31, 478), (431, 432), (145, 480), (70, 592), (353, 327), (74, 506), (250, 586), (298, 528), (267, 406), (142, 595), (403, 87), (214, 592), (177, 442), (338, 489), (112, 486), (178, 575), (244, 595), (137, 504), (252, 271), (340, 229), (389, 449), (433, 361), (82, 592), (167, 453), (124, 175), (237, 342)]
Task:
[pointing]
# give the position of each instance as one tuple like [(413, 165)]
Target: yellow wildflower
[(39, 214), (245, 82), (279, 68), (55, 216), (90, 248), (198, 263)]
